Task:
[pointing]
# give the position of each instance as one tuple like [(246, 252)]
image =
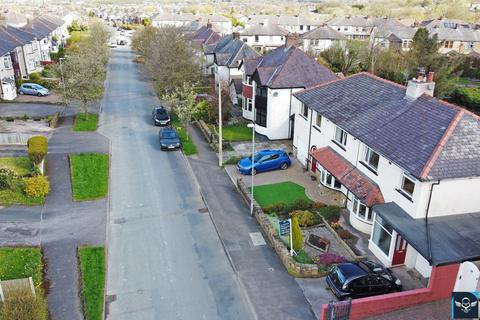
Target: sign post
[(285, 227)]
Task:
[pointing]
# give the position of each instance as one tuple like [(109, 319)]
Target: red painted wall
[(440, 286)]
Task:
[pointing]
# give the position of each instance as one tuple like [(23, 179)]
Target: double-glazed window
[(6, 62), (256, 38), (304, 111), (248, 104), (371, 158), (318, 120), (261, 115), (408, 184), (361, 210), (448, 44), (382, 234), (340, 136)]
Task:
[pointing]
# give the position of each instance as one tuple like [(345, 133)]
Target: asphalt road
[(165, 260)]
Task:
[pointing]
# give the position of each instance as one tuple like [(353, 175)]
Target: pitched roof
[(323, 32), (42, 26), (289, 67), (250, 64), (11, 37), (384, 27), (427, 137), (205, 35), (229, 51), (262, 29), (452, 30), (355, 21), (353, 179)]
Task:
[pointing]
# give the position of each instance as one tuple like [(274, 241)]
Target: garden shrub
[(37, 149), (345, 234), (330, 213), (468, 97), (21, 304), (301, 204), (327, 259), (305, 217), (303, 257), (278, 208), (297, 241), (37, 187), (8, 177), (336, 225), (35, 77), (318, 205)]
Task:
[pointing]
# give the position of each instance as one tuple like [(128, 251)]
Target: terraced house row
[(406, 164), (26, 49)]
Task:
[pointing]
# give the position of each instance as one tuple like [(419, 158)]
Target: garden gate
[(339, 310)]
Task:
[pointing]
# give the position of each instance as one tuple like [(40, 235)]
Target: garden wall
[(209, 135), (294, 268), (440, 286)]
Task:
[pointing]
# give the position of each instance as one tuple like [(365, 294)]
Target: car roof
[(171, 129), (268, 151), (351, 270)]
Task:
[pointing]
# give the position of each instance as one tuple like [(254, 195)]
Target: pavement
[(60, 225), (437, 310), (165, 260), (271, 291)]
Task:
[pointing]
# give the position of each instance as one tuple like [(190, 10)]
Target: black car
[(160, 116), (361, 279), (169, 139)]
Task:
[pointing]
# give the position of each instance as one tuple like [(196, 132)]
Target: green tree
[(297, 237), (424, 48), (147, 21), (182, 100), (347, 58)]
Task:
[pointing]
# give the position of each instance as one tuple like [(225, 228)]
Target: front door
[(400, 251), (314, 166)]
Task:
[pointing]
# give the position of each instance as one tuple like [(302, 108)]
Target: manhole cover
[(120, 221), (257, 239), (202, 210)]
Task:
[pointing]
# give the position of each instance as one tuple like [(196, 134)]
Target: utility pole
[(220, 146), (63, 82)]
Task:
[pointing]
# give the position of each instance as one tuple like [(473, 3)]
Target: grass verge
[(21, 165), (186, 141), (83, 124), (89, 173), (283, 192), (235, 132), (92, 268)]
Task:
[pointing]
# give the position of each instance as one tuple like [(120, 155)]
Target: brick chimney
[(209, 24), (420, 85), (292, 39), (235, 35)]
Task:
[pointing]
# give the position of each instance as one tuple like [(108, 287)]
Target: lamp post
[(63, 82), (220, 145), (252, 125)]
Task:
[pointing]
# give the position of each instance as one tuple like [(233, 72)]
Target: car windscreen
[(162, 114), (337, 276), (257, 157), (169, 135)]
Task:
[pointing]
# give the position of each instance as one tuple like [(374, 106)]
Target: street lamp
[(252, 125), (63, 81)]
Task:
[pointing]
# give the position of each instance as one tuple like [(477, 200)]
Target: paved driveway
[(165, 260)]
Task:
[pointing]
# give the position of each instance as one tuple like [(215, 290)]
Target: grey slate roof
[(323, 32), (11, 37), (289, 67), (384, 27), (229, 51), (452, 30), (262, 29), (405, 131), (355, 21), (453, 238), (205, 35)]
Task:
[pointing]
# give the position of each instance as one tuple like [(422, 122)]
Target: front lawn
[(186, 141), (82, 124), (89, 173), (92, 267), (21, 165), (236, 132), (17, 263), (283, 192)]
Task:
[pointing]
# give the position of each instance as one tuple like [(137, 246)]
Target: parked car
[(361, 279), (265, 160), (121, 42), (160, 116), (33, 89), (112, 44), (169, 139)]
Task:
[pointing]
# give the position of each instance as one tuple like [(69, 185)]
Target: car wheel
[(284, 166), (39, 94), (21, 92), (253, 171)]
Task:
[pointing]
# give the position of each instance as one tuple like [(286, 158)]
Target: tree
[(424, 48), (142, 39), (226, 104), (346, 58), (84, 67), (182, 100), (147, 21), (297, 238)]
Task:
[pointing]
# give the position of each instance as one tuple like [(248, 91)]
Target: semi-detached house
[(407, 163)]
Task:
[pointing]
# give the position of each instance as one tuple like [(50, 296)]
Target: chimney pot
[(430, 76), (236, 35), (292, 39)]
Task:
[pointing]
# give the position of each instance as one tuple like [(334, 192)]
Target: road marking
[(257, 239)]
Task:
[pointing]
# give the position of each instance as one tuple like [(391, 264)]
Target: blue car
[(33, 89), (265, 160)]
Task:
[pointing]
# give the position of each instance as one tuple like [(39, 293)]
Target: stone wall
[(294, 268), (210, 137)]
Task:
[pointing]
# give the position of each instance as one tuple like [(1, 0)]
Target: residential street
[(165, 260)]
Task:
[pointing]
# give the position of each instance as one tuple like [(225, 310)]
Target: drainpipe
[(309, 136), (429, 247), (290, 114)]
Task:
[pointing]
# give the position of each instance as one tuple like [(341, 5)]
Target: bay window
[(360, 210)]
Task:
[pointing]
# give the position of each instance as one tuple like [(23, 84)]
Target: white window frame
[(356, 204), (405, 175), (343, 136), (304, 110), (317, 117), (366, 158), (380, 225), (7, 63), (323, 179)]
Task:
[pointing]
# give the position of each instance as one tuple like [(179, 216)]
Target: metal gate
[(339, 310)]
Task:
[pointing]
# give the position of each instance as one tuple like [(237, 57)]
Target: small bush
[(305, 218), (301, 204), (37, 187), (296, 235), (8, 177), (35, 77), (336, 225), (345, 234), (21, 304), (327, 259), (303, 257), (278, 208), (330, 213), (233, 160), (318, 205), (37, 149)]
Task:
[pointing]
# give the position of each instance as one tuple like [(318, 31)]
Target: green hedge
[(467, 97), (37, 149)]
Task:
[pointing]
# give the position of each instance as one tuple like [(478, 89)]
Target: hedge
[(467, 97), (37, 149)]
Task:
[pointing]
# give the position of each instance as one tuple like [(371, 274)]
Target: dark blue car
[(265, 160)]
